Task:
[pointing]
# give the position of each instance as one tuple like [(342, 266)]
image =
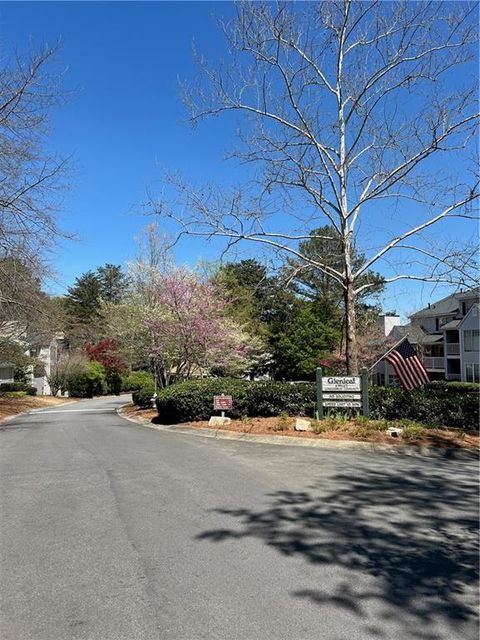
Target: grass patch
[(247, 424), (13, 394), (283, 423), (413, 431)]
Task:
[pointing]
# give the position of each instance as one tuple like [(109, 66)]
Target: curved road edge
[(289, 441)]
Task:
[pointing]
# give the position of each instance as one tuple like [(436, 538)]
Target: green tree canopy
[(113, 282), (304, 340), (83, 297), (325, 246)]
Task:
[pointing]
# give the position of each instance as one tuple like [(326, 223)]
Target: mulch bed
[(13, 406), (286, 427)]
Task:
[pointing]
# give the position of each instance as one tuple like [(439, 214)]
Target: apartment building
[(445, 335), (45, 349)]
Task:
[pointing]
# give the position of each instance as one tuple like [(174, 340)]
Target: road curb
[(398, 449), (30, 411)]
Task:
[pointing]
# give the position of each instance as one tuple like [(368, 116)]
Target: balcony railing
[(453, 348), (434, 363), (453, 376)]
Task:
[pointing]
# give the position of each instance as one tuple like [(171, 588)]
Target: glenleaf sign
[(349, 392)]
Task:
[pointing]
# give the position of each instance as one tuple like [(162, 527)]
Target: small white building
[(45, 349)]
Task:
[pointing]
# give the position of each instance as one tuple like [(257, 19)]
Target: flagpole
[(389, 351)]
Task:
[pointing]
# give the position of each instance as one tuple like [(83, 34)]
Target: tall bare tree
[(359, 115), (30, 176)]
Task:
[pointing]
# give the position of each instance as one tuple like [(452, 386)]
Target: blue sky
[(124, 122)]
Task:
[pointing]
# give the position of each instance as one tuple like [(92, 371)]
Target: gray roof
[(472, 293), (446, 306), (453, 324), (431, 338), (415, 333)]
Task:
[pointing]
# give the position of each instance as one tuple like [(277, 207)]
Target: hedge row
[(436, 404), (142, 397), (193, 400), (8, 387)]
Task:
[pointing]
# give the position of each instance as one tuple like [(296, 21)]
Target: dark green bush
[(114, 382), (455, 386), (87, 381), (143, 397), (193, 400), (12, 386), (7, 387), (136, 380), (436, 404)]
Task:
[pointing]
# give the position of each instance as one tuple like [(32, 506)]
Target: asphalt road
[(110, 530)]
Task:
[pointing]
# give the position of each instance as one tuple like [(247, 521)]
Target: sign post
[(365, 402), (319, 412), (348, 392)]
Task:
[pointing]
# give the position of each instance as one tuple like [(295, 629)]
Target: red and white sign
[(222, 403)]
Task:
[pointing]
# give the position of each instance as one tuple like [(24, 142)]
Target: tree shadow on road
[(410, 540)]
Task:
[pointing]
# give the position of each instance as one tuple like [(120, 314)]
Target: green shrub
[(87, 380), (193, 400), (434, 404), (12, 386), (114, 382), (143, 397), (455, 386), (136, 380), (8, 387)]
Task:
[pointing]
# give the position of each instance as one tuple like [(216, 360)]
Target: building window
[(471, 339), (6, 373), (473, 372)]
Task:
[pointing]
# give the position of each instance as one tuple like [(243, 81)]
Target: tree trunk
[(351, 330)]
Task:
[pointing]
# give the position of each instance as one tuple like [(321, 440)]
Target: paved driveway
[(113, 531)]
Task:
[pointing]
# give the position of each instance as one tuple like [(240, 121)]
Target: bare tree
[(30, 177), (360, 115)]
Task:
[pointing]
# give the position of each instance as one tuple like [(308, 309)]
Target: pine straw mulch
[(12, 406), (371, 431)]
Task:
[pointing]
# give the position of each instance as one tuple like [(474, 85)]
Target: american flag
[(408, 366)]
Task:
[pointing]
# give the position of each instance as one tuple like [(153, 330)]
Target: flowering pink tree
[(372, 345), (189, 327)]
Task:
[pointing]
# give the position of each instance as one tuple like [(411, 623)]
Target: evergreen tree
[(305, 339), (83, 297), (325, 247), (82, 306), (113, 283)]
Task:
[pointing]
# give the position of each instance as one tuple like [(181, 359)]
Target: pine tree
[(113, 282)]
